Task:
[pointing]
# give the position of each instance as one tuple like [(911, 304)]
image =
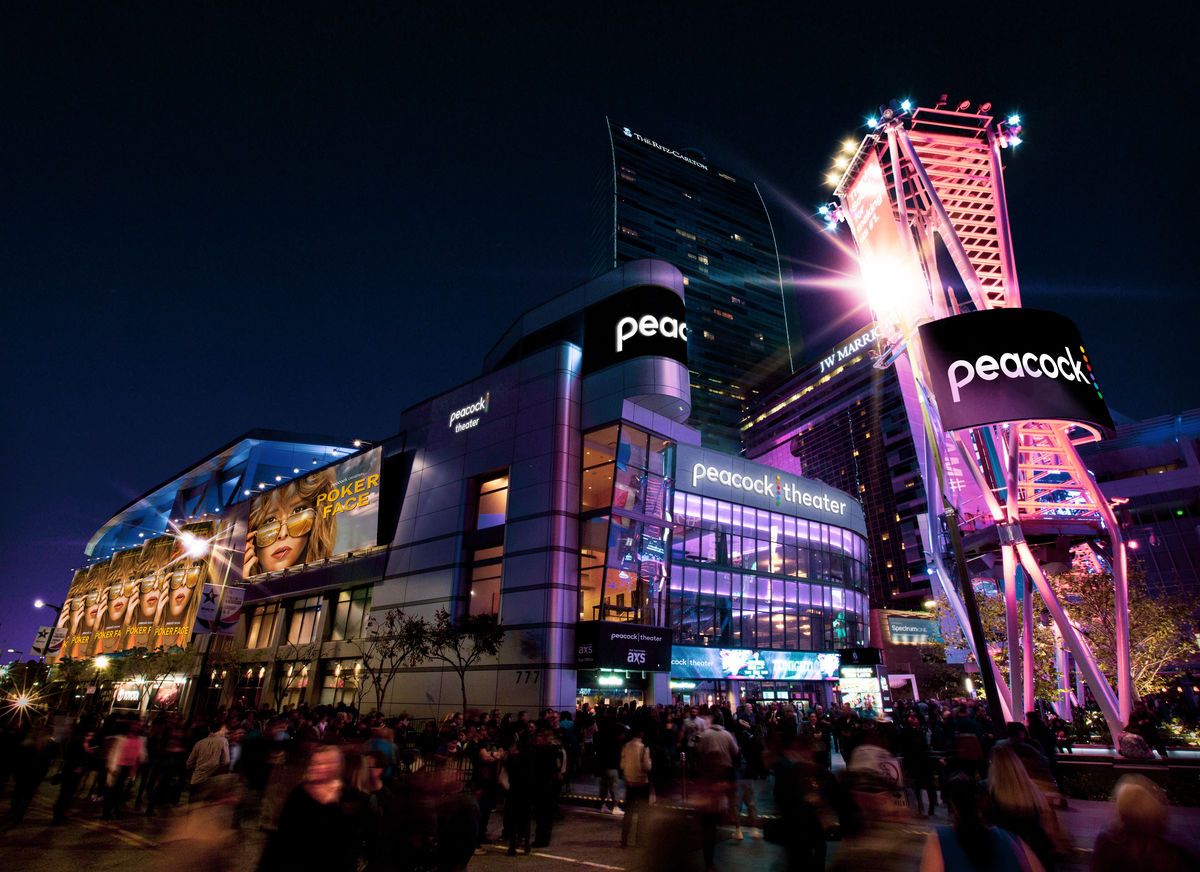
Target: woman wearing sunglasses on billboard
[(286, 528), (121, 592), (145, 609)]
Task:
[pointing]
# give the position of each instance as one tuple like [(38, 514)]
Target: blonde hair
[(1141, 805), (323, 534), (1010, 787)]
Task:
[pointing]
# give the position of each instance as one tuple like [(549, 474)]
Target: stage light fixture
[(906, 105), (984, 109), (941, 101), (964, 106)]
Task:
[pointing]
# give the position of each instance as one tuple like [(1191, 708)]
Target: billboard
[(142, 597), (332, 511), (1011, 365), (615, 645), (913, 631), (752, 664), (894, 289), (647, 321)]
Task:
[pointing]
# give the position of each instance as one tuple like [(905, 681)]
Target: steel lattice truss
[(942, 176)]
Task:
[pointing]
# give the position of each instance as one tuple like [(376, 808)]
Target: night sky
[(226, 216)]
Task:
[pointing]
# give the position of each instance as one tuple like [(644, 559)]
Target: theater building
[(563, 491)]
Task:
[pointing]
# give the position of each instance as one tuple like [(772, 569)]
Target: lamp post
[(38, 603)]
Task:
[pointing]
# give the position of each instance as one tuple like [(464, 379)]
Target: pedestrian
[(969, 844), (1136, 841), (209, 757), (1020, 807), (549, 764), (76, 763), (717, 751), (125, 756), (313, 831), (636, 766), (518, 766)]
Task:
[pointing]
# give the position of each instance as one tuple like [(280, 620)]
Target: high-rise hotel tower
[(673, 204)]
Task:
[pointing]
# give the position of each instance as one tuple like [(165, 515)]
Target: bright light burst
[(22, 703)]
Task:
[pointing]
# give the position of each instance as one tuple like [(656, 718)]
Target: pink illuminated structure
[(928, 180)]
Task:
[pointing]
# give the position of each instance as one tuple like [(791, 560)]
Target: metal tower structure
[(924, 198)]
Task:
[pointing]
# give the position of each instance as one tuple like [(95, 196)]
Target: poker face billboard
[(1011, 365), (322, 514), (141, 597)]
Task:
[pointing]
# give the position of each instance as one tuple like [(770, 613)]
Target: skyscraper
[(843, 422), (658, 201)]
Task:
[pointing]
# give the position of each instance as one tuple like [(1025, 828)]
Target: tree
[(1160, 629), (291, 669), (461, 642), (67, 675), (391, 644)]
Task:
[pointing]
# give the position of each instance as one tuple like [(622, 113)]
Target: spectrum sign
[(1011, 365)]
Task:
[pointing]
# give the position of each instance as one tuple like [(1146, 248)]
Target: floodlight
[(964, 106)]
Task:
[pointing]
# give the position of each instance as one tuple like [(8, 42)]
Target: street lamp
[(38, 603)]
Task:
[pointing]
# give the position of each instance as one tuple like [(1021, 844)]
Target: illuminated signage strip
[(689, 662), (866, 340), (664, 149), (467, 417), (743, 482)]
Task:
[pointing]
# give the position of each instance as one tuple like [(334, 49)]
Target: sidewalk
[(1084, 820)]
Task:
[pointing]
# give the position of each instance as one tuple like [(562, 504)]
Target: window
[(350, 614), (339, 682), (486, 571), (262, 625), (493, 502), (302, 622)]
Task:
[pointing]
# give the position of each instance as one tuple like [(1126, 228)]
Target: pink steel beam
[(943, 174)]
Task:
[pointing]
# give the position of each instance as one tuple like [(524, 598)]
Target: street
[(583, 839)]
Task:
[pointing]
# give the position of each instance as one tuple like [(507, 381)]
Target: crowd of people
[(389, 796)]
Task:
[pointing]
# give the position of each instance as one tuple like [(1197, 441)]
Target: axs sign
[(1011, 365), (646, 321)]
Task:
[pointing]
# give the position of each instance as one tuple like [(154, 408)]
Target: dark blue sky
[(308, 218)]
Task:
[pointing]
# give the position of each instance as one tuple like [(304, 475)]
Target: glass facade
[(623, 530), (748, 578), (717, 573), (843, 422)]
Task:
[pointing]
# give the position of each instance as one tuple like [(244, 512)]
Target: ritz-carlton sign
[(741, 481)]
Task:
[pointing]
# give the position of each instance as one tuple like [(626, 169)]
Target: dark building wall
[(1151, 467)]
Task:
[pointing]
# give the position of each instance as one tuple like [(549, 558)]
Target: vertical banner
[(231, 611), (892, 284), (41, 642), (209, 608)]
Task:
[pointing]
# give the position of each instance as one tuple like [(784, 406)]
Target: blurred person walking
[(969, 844), (636, 766), (1019, 806), (1136, 841), (313, 831), (209, 758)]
